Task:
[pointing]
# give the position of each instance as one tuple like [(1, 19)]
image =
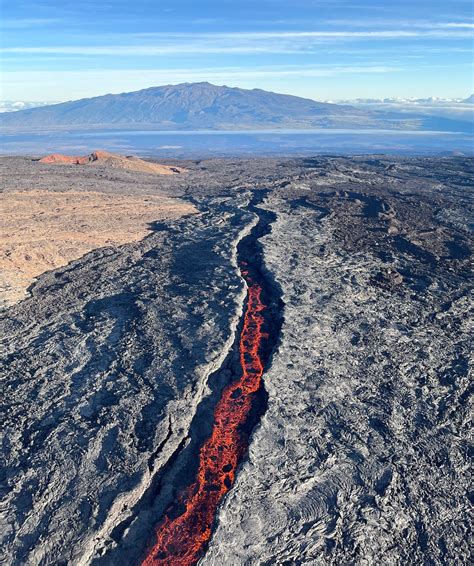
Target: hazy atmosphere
[(336, 49)]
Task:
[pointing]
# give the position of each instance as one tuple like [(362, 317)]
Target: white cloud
[(290, 42), (398, 23), (468, 25)]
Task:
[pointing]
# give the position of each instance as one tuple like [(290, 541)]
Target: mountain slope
[(186, 105), (201, 106)]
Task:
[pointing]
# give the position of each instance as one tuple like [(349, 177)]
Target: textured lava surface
[(115, 364), (182, 539)]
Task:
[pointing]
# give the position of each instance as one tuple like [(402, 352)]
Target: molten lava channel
[(183, 534)]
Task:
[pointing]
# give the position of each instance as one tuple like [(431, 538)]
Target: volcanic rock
[(114, 364)]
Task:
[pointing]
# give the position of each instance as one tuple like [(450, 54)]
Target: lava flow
[(183, 534)]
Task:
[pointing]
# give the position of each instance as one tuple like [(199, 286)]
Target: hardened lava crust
[(114, 361)]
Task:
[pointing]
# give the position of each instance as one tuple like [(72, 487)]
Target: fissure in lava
[(183, 534)]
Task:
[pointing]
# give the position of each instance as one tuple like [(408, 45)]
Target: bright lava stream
[(183, 534)]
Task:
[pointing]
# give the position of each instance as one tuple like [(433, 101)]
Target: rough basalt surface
[(362, 454), (361, 457)]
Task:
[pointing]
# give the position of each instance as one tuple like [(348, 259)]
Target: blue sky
[(322, 49)]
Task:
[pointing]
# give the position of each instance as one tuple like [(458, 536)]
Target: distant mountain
[(469, 99), (203, 106)]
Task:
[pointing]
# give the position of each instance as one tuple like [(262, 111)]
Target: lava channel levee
[(183, 535)]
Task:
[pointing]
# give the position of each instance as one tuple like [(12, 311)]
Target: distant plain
[(191, 144)]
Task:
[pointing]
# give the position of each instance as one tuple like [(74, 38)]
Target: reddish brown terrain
[(98, 158), (43, 230)]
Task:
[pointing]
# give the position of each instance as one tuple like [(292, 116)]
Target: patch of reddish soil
[(66, 159), (43, 230), (98, 158)]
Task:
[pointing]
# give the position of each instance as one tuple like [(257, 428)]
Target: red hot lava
[(181, 540)]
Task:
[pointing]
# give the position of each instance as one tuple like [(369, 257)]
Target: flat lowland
[(43, 230)]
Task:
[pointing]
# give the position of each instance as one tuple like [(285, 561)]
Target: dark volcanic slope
[(204, 106), (362, 454)]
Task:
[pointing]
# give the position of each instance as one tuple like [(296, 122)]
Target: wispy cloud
[(368, 23), (150, 50), (456, 25), (365, 34), (290, 42), (211, 73)]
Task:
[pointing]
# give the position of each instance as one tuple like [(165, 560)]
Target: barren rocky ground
[(114, 362), (43, 230)]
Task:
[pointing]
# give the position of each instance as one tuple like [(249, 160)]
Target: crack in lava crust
[(183, 534)]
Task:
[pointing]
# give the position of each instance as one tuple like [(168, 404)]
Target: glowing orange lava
[(181, 540)]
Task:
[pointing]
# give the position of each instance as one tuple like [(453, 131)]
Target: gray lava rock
[(362, 454)]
